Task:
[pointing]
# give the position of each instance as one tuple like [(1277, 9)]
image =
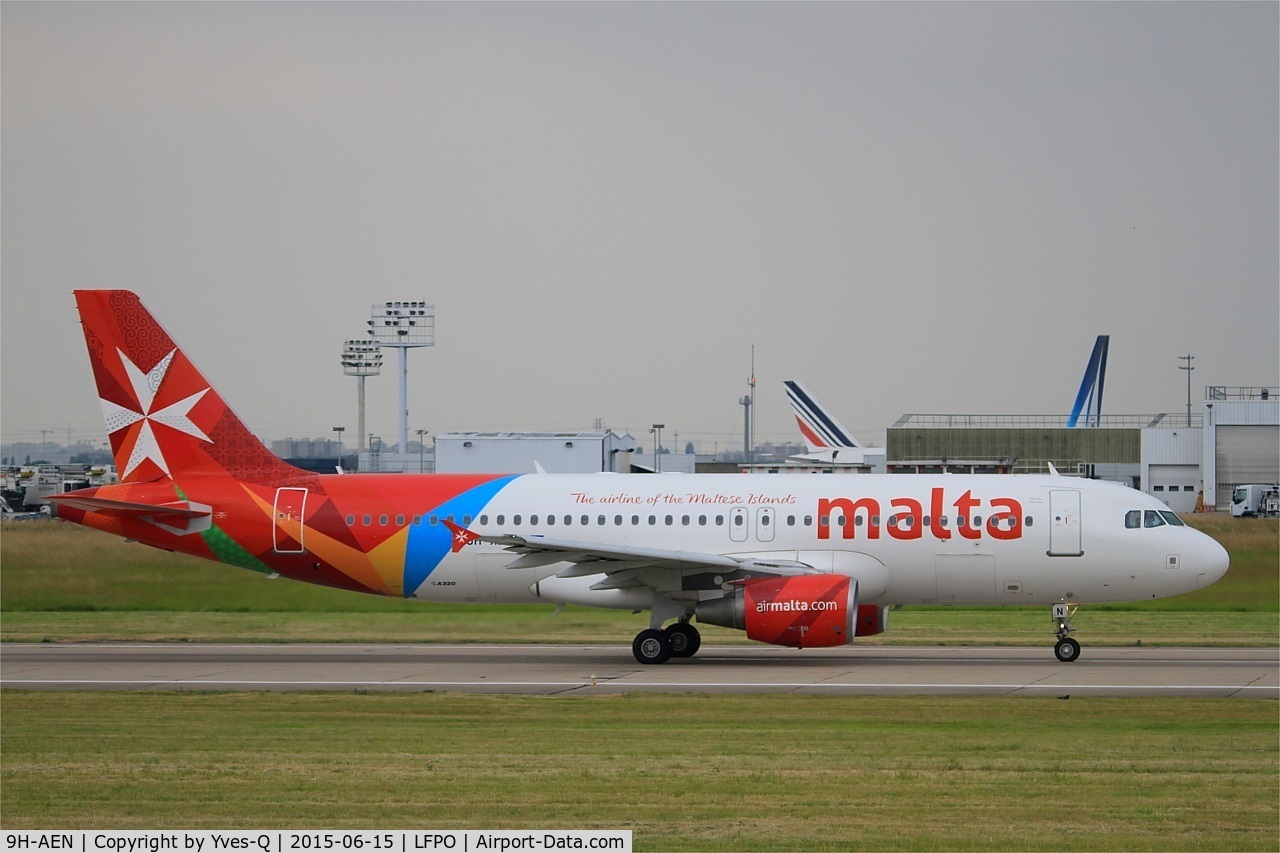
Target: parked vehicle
[(1255, 500)]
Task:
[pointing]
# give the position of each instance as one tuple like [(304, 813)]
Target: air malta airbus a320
[(795, 560)]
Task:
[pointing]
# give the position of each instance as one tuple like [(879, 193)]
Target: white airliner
[(794, 560)]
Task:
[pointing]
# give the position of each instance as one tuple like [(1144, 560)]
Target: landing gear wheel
[(684, 639), (651, 646), (1067, 650)]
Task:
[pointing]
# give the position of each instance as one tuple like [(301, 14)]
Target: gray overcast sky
[(909, 207)]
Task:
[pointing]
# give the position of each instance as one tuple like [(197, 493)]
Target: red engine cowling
[(803, 611)]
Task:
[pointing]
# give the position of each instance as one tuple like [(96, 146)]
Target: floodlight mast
[(403, 325), (361, 359)]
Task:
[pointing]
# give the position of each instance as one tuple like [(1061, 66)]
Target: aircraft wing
[(627, 566)]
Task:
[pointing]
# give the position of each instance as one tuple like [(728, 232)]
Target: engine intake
[(805, 611)]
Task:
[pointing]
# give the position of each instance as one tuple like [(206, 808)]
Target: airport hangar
[(1172, 457)]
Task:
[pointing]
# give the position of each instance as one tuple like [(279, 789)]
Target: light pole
[(421, 448), (339, 430), (657, 448), (403, 325), (361, 359)]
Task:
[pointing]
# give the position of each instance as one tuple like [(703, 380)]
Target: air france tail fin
[(1089, 398), (164, 419), (821, 430)]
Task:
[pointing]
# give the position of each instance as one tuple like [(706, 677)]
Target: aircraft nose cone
[(1213, 560)]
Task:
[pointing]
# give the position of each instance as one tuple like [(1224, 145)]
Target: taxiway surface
[(598, 669)]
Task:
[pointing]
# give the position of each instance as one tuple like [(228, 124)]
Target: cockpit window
[(1172, 518), (1133, 519), (1151, 518)]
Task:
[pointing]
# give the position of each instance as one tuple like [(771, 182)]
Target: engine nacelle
[(803, 611)]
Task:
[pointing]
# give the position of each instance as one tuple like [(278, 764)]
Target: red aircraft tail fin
[(164, 419)]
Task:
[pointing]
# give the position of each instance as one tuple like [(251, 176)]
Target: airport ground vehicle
[(1255, 500)]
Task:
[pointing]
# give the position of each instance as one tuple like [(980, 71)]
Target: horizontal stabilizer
[(177, 517), (177, 509)]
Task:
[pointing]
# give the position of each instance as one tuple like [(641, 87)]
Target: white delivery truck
[(1255, 500)]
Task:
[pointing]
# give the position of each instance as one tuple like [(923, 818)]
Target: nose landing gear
[(1066, 649)]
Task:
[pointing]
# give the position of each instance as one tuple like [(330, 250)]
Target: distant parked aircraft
[(828, 439), (1089, 398)]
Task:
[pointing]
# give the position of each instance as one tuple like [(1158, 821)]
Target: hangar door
[(1246, 454)]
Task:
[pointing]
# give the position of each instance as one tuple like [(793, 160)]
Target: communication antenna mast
[(753, 403), (1188, 368), (403, 325), (361, 359), (747, 403)]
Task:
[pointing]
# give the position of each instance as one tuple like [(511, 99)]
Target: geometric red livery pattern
[(182, 454)]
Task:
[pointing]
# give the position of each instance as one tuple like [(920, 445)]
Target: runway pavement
[(595, 669)]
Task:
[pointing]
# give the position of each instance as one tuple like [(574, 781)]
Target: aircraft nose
[(1214, 559)]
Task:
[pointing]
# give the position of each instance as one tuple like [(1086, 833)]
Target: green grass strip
[(682, 772)]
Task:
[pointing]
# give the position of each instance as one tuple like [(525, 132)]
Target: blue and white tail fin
[(1089, 399), (821, 431)]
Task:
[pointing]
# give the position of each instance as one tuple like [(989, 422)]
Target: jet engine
[(802, 611)]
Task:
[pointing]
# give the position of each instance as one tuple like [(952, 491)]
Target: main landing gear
[(659, 645), (1066, 649)]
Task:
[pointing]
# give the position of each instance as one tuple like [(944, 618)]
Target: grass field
[(684, 773), (67, 583)]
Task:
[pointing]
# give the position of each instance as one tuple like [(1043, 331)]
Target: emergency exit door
[(287, 532)]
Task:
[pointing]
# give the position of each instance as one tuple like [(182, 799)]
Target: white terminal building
[(526, 452)]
